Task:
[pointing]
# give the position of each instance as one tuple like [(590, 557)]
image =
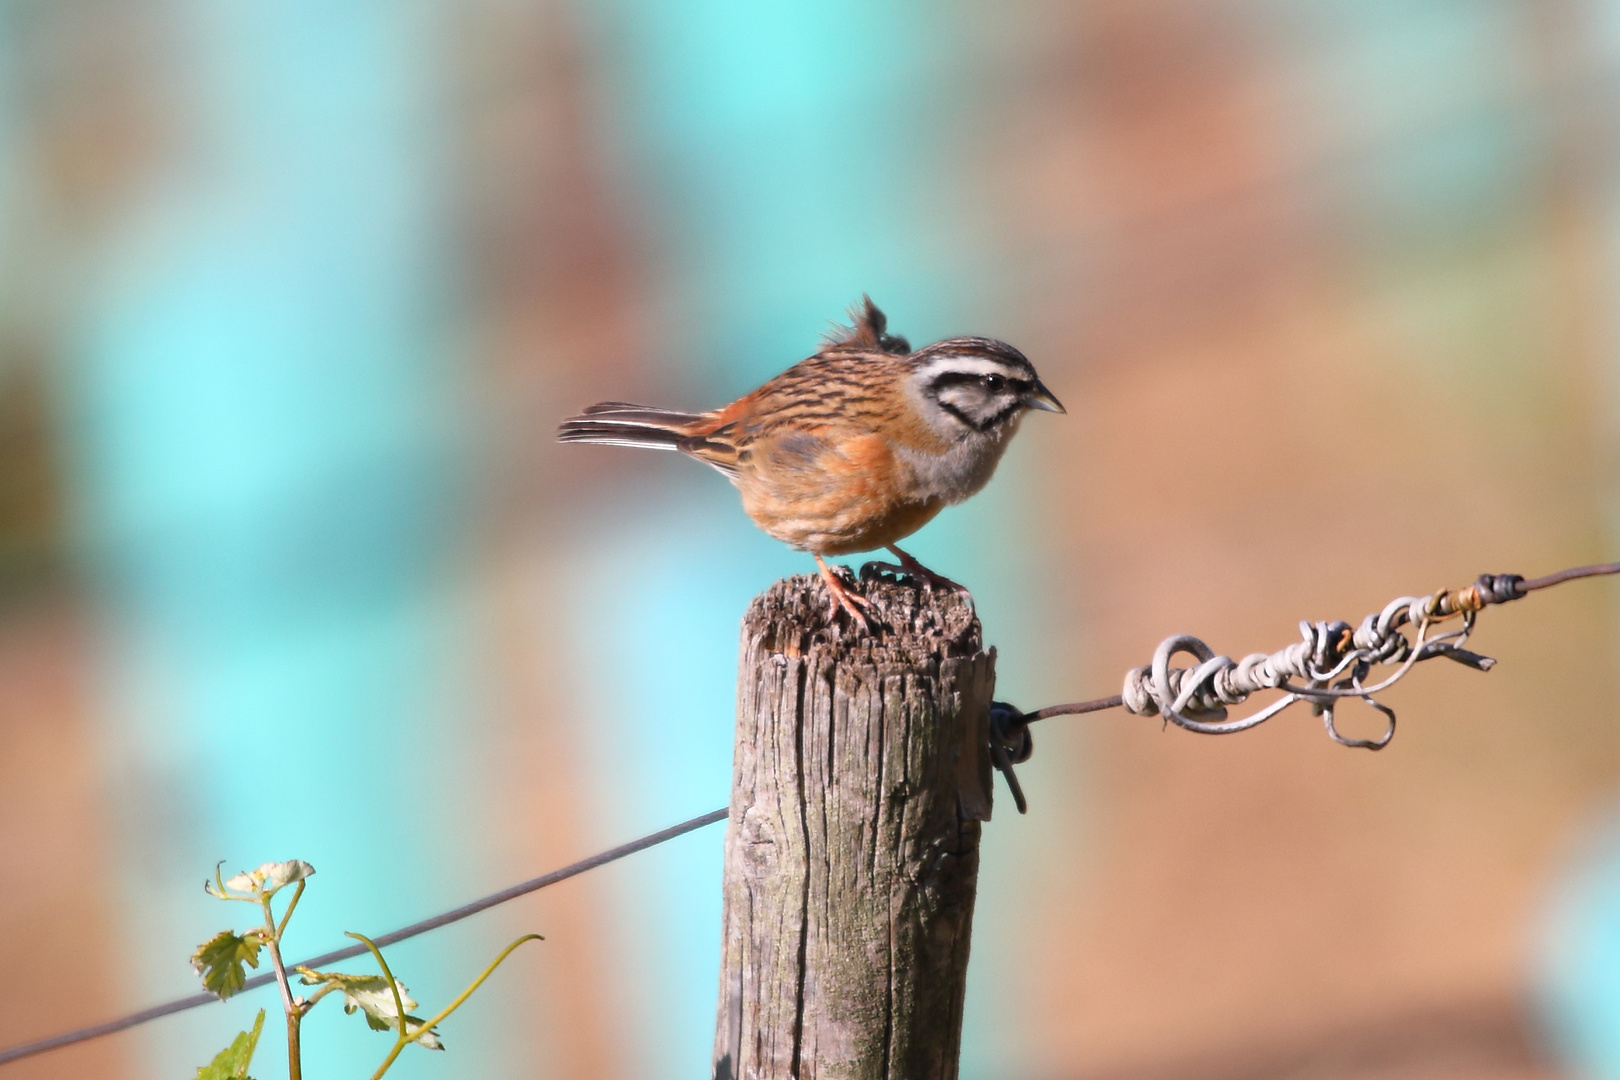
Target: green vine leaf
[(219, 960), (231, 1063), (370, 994)]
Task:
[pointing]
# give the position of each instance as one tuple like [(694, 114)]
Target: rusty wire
[(1331, 661)]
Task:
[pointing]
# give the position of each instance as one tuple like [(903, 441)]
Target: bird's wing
[(714, 448)]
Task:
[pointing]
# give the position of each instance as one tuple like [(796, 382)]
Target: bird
[(856, 447)]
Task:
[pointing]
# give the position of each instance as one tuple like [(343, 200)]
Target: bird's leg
[(843, 597), (910, 566)]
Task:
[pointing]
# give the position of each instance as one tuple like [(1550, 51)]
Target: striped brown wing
[(836, 392), (816, 452)]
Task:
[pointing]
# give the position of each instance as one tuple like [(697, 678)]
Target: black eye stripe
[(963, 378)]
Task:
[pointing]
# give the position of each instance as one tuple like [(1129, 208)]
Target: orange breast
[(830, 492)]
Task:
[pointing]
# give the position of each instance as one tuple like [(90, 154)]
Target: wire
[(17, 1053), (1099, 705), (1330, 664), (1328, 650), (1569, 575), (1376, 642)]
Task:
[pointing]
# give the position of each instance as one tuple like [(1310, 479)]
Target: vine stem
[(295, 1014), (404, 1038)]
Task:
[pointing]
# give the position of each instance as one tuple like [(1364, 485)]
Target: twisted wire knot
[(1010, 744), (1496, 588), (1329, 662)]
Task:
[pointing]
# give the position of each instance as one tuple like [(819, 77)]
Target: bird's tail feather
[(621, 423)]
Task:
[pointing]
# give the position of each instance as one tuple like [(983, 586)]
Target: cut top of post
[(909, 626)]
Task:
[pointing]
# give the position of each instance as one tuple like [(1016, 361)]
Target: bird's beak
[(1043, 399)]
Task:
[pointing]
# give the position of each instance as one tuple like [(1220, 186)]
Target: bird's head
[(980, 384)]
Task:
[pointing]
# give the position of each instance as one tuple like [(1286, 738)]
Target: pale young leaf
[(269, 877), (219, 960), (371, 995), (245, 882), (232, 1062), (279, 874)]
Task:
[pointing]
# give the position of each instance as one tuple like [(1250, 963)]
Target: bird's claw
[(908, 566), (846, 599)]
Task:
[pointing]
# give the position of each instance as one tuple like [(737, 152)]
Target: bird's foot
[(845, 598), (910, 567)]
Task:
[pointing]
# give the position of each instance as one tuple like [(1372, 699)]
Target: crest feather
[(867, 332)]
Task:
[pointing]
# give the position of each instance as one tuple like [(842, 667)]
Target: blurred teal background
[(293, 296)]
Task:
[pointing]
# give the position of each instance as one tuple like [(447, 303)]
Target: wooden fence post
[(852, 852)]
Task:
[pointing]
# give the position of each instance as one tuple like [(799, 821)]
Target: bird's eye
[(994, 383)]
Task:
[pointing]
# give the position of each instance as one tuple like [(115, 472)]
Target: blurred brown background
[(1327, 289)]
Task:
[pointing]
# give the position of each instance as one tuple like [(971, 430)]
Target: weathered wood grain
[(852, 853)]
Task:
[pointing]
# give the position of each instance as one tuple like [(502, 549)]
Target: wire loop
[(1329, 663), (1010, 744)]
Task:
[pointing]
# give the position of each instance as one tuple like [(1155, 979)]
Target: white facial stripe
[(972, 365)]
